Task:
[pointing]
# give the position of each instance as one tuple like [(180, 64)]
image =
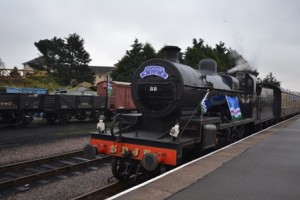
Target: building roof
[(102, 69), (40, 61), (36, 61)]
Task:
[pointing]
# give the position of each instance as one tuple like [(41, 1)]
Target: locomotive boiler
[(182, 113), (165, 90)]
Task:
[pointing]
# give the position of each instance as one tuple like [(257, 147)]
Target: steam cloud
[(241, 64)]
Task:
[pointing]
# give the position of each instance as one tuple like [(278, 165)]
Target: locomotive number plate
[(153, 89)]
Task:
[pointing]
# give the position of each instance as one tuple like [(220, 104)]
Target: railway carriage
[(290, 103)]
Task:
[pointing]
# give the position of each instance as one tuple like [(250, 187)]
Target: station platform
[(265, 165)]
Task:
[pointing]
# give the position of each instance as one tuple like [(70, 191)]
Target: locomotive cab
[(247, 82)]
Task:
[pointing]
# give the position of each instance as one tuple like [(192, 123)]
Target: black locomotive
[(183, 112), (19, 108)]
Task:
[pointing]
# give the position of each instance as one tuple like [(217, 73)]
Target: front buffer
[(133, 154)]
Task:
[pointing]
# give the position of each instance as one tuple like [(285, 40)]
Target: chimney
[(171, 53)]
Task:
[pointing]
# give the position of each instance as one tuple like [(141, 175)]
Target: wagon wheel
[(118, 168), (23, 122), (50, 118), (63, 118), (81, 115), (95, 116)]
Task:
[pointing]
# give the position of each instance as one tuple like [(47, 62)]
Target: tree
[(14, 72), (225, 60), (66, 59), (2, 64), (270, 79), (199, 51), (138, 54), (194, 54), (148, 52), (160, 53), (221, 54)]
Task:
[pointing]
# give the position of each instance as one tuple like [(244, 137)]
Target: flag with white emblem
[(204, 104), (234, 107)]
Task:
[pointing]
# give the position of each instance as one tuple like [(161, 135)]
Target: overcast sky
[(265, 32)]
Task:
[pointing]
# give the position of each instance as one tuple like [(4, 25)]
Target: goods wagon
[(118, 95)]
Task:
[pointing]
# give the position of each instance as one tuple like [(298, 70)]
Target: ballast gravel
[(68, 188), (27, 152)]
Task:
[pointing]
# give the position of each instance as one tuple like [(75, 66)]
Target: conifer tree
[(66, 59)]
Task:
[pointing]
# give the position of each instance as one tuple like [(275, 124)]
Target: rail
[(37, 174)]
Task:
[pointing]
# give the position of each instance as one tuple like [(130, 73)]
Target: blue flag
[(204, 104), (234, 107)]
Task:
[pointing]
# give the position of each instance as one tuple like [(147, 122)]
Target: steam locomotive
[(183, 112)]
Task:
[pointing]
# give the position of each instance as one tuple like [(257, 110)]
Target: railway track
[(19, 176)]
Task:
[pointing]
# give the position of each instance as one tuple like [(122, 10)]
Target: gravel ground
[(36, 141), (26, 152), (67, 188), (62, 189)]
